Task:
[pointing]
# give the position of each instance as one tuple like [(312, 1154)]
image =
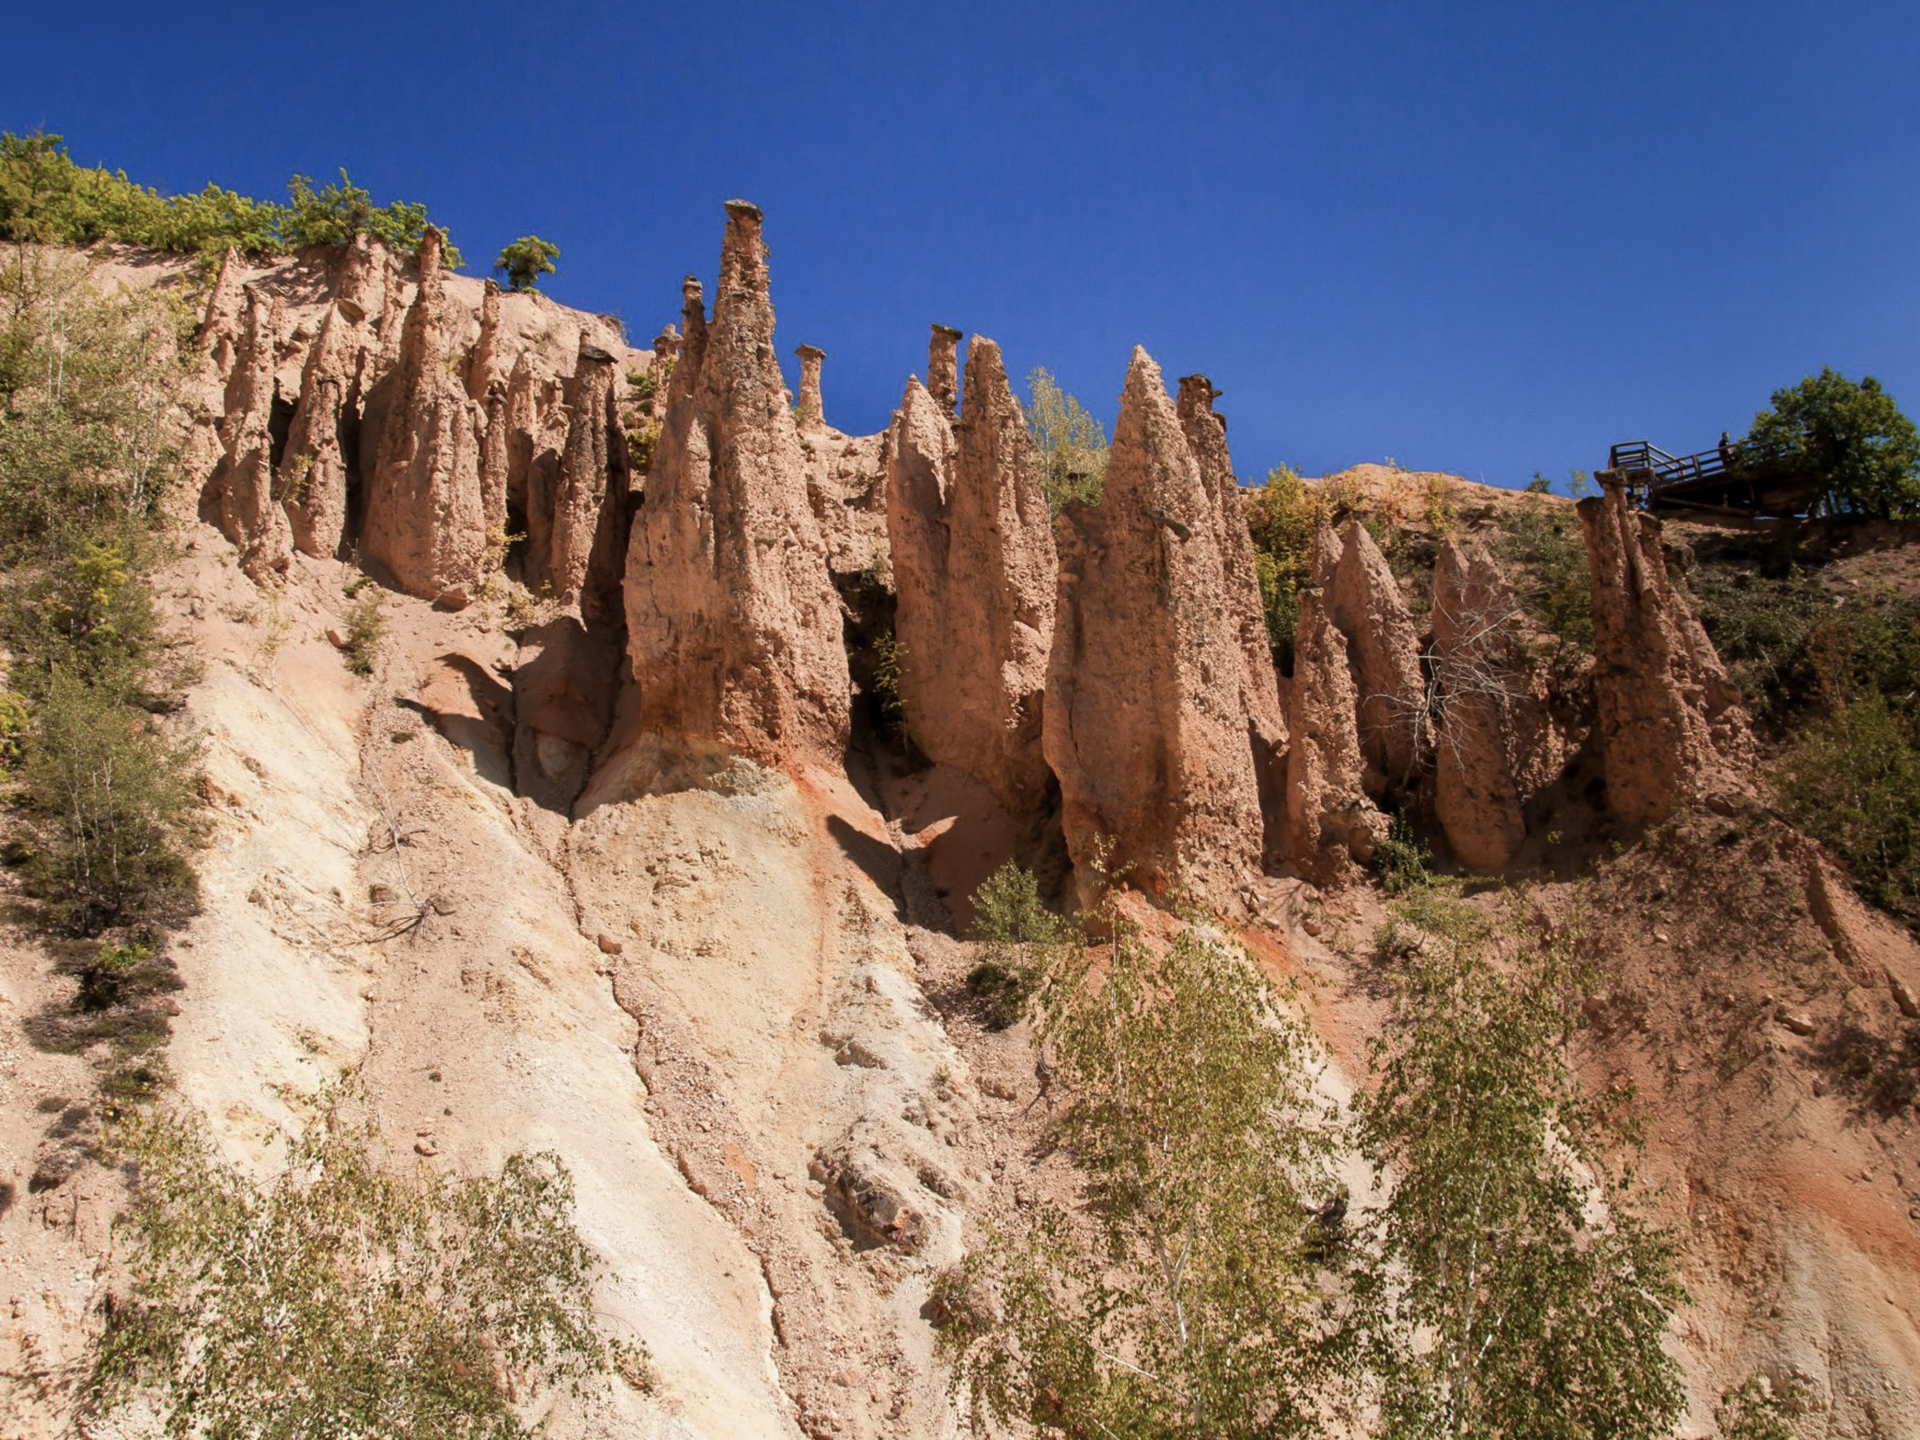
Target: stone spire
[(734, 627), (810, 413), (1145, 723), (943, 367)]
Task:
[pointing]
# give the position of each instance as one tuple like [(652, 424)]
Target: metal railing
[(1737, 459)]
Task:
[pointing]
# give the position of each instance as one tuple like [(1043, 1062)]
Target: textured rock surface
[(974, 570), (583, 524), (1669, 726), (734, 628), (1206, 433), (1478, 679), (1363, 599), (810, 411), (1144, 724), (242, 483), (316, 503), (425, 524), (943, 367), (1331, 822)]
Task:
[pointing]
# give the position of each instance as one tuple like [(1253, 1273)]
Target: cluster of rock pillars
[(1113, 662)]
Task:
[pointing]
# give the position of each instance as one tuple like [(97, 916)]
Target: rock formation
[(809, 412), (1206, 433), (316, 495), (1144, 723), (1477, 684), (424, 520), (1670, 726), (219, 332), (1363, 599), (583, 524), (734, 628), (943, 367), (1331, 822), (974, 569), (242, 484)]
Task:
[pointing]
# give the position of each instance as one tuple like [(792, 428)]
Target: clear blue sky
[(1482, 237)]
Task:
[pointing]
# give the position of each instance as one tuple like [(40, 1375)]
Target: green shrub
[(1283, 515), (344, 1298), (526, 260), (1403, 863), (1016, 936), (1851, 437), (108, 798), (46, 198), (1853, 782), (1070, 444), (1547, 557), (366, 631)]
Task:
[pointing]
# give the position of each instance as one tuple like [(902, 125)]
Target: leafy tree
[(1852, 437), (343, 1298), (1069, 443), (1755, 1412), (526, 260), (1181, 1302), (47, 199), (1017, 936), (1283, 514), (1517, 1287)]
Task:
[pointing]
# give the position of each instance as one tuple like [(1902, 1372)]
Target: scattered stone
[(1903, 996), (608, 945), (1798, 1021)]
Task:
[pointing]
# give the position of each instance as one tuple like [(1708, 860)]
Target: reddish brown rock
[(486, 367), (1363, 599), (734, 628), (809, 411), (316, 493), (1144, 723), (586, 530), (1206, 433), (1479, 677), (1669, 727), (241, 488), (219, 332), (974, 571), (943, 367), (1332, 825), (425, 524)]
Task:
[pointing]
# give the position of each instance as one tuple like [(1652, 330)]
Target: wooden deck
[(1734, 479)]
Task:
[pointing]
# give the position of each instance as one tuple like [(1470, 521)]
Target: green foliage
[(1069, 442), (108, 798), (1755, 1412), (13, 728), (1283, 514), (1180, 1302), (343, 1298), (366, 631), (1852, 437), (1016, 936), (1547, 558), (883, 679), (1853, 782), (47, 199), (1539, 485), (526, 260), (1503, 1300), (1404, 862), (103, 795)]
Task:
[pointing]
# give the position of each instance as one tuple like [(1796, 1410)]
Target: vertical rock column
[(1363, 599), (1206, 432), (943, 367), (974, 570), (810, 414), (734, 628), (1475, 797), (242, 482), (1145, 724), (1670, 727), (425, 519)]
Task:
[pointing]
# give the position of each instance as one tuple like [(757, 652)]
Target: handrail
[(1736, 457)]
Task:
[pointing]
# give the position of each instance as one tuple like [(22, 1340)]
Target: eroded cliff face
[(662, 927), (734, 626), (1145, 723), (367, 404), (1670, 726), (974, 571)]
